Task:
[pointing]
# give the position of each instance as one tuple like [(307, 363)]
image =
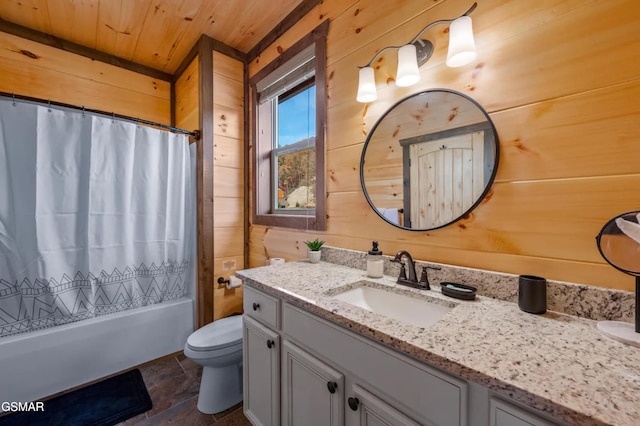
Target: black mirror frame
[(599, 244), (635, 274), (487, 186)]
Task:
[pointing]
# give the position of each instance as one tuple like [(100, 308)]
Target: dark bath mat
[(105, 403)]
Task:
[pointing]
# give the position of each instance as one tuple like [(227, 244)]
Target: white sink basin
[(394, 304)]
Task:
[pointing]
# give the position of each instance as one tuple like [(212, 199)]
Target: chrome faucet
[(412, 281)]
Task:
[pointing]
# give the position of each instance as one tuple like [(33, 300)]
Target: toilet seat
[(220, 334)]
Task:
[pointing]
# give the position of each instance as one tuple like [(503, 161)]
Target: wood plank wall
[(228, 164), (559, 79), (186, 92), (33, 69)]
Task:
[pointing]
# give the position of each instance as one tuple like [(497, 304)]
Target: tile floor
[(173, 385)]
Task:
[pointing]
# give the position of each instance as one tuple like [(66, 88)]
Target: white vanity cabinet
[(313, 394), (383, 386), (300, 369)]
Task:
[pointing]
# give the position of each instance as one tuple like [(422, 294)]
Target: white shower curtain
[(95, 216)]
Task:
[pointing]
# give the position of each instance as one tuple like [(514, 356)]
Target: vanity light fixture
[(462, 50)]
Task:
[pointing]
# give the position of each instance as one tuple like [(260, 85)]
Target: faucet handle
[(424, 279), (403, 272)]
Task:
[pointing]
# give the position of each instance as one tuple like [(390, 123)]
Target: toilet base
[(220, 388)]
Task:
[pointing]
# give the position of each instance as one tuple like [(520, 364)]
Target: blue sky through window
[(297, 117)]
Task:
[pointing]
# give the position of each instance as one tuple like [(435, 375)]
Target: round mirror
[(619, 242), (429, 160)]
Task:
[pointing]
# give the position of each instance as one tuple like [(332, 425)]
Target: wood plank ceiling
[(155, 33)]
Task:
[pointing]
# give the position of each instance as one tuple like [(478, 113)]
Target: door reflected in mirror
[(429, 160)]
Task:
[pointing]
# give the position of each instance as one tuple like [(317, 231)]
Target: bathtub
[(36, 364)]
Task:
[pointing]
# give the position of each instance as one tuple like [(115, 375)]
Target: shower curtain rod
[(195, 134)]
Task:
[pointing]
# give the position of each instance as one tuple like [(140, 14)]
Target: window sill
[(289, 221)]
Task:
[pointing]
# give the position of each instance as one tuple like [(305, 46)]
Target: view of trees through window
[(297, 179), (296, 153)]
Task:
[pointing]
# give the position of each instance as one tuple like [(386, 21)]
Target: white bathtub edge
[(44, 362)]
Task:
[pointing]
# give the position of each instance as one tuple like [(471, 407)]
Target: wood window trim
[(261, 187)]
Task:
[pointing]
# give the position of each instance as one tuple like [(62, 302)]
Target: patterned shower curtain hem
[(49, 303)]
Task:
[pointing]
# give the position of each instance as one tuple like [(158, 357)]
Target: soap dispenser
[(375, 263)]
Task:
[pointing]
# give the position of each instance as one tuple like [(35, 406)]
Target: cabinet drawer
[(432, 395), (262, 307)]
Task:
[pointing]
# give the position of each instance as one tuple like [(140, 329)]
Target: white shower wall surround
[(95, 216)]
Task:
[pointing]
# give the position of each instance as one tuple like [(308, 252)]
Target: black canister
[(532, 294)]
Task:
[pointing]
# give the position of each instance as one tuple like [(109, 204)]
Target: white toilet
[(218, 348)]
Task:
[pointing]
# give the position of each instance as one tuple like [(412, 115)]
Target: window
[(289, 113), (293, 154)]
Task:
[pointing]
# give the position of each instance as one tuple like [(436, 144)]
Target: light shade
[(462, 47), (408, 73), (366, 85)]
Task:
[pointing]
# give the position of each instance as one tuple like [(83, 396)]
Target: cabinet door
[(368, 410), (312, 392), (261, 374), (503, 414), (430, 395)]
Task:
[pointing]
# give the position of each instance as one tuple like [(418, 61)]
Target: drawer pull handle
[(353, 403), (332, 386), (256, 306), (270, 343)]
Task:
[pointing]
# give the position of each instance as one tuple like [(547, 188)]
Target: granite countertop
[(554, 363)]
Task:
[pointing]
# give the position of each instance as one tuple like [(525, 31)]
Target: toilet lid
[(219, 334)]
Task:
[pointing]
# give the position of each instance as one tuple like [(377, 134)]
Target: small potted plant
[(314, 250)]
